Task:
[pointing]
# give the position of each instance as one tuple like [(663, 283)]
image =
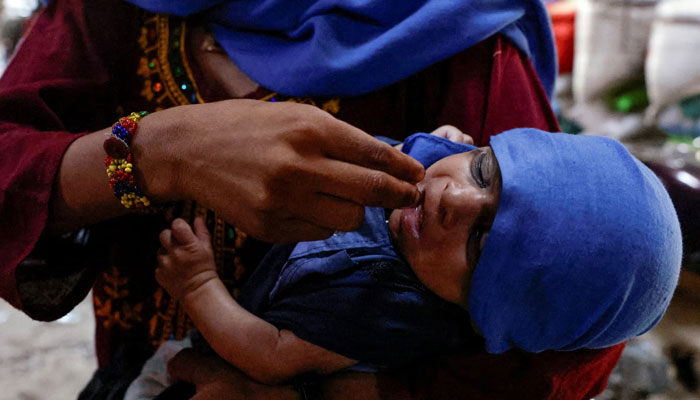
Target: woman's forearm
[(81, 194), (243, 159)]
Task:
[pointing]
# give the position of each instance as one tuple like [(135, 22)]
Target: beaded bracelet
[(119, 163)]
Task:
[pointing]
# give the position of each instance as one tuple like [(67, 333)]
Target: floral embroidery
[(114, 309)]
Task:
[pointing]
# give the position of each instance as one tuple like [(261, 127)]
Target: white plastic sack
[(673, 65), (611, 43)]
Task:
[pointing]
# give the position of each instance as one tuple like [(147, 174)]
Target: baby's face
[(443, 236)]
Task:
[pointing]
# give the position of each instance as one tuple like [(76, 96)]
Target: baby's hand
[(451, 133), (186, 260)]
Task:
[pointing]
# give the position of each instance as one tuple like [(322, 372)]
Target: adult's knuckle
[(304, 118), (322, 126), (375, 182), (301, 124), (288, 171), (264, 201), (379, 155)]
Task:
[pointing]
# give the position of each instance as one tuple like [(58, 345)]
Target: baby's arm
[(187, 271)]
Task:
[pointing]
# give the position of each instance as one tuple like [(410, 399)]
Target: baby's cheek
[(426, 273), (444, 278)]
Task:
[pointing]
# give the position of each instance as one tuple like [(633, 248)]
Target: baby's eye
[(477, 169)]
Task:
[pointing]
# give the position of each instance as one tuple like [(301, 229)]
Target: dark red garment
[(81, 66)]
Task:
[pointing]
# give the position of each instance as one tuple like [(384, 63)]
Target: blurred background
[(628, 69), (13, 16)]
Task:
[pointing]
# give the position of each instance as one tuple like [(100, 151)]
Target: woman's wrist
[(156, 152), (81, 194)]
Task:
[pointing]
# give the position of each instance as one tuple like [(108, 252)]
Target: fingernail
[(420, 175), (417, 199)]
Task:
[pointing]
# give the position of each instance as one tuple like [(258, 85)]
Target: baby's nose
[(461, 206)]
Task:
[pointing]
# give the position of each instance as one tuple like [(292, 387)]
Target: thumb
[(201, 231), (181, 232)]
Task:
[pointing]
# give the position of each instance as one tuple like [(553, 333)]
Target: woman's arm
[(186, 269), (216, 379), (81, 195), (243, 159), (55, 88), (58, 97)]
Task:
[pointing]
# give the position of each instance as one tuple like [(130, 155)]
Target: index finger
[(364, 186), (357, 147)]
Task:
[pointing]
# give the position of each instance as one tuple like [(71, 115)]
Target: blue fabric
[(585, 249), (428, 149), (351, 47)]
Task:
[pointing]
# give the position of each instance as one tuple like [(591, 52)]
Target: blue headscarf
[(585, 249), (351, 47)]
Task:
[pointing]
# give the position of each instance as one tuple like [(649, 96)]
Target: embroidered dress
[(84, 64)]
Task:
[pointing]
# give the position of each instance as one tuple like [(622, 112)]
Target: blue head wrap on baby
[(585, 249)]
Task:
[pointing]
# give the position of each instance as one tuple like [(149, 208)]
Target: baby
[(538, 242)]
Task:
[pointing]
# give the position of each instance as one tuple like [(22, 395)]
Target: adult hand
[(279, 171), (217, 380)]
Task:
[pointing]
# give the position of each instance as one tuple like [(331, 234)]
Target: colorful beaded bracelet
[(119, 164)]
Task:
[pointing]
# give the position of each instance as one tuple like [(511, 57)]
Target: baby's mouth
[(412, 219), (419, 211), (419, 208)]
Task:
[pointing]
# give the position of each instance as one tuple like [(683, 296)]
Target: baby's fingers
[(181, 232), (452, 133), (166, 239), (161, 274), (200, 229)]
